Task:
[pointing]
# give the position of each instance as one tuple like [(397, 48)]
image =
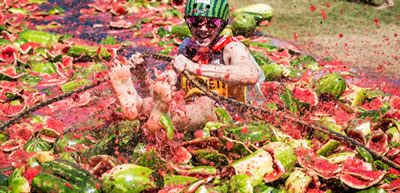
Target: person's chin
[(204, 43)]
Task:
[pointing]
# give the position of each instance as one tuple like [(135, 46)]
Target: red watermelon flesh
[(271, 91), (67, 61), (284, 53), (395, 102), (25, 48), (10, 72), (305, 95), (364, 174), (9, 110), (358, 183), (379, 142), (81, 99), (374, 104), (10, 145), (30, 173), (276, 174), (8, 54), (25, 133), (354, 162), (20, 158), (274, 58), (357, 135), (321, 166), (56, 125), (395, 184), (122, 24), (314, 191), (392, 114), (51, 80), (359, 174)]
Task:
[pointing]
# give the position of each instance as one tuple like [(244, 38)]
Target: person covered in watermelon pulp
[(221, 63)]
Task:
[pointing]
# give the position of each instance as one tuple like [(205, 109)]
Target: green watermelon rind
[(332, 84), (72, 173), (128, 178)]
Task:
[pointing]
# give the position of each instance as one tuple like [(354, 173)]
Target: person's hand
[(182, 63)]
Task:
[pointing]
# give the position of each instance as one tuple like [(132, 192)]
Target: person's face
[(204, 29)]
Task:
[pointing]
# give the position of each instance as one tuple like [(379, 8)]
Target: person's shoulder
[(235, 46)]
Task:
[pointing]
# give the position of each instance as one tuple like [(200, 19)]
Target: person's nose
[(204, 28)]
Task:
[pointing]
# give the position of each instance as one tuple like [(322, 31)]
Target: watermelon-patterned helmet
[(208, 8)]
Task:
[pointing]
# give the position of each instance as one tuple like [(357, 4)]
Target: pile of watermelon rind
[(83, 142)]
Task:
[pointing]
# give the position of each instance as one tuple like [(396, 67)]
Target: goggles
[(200, 21)]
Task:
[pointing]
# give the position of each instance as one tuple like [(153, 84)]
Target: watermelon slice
[(359, 174), (284, 160), (10, 72), (358, 183), (278, 172), (305, 95), (357, 135), (395, 102), (79, 100), (379, 142), (353, 162), (25, 48), (10, 145), (119, 8), (12, 109), (9, 54), (122, 24), (271, 91), (51, 80), (320, 165), (393, 185)]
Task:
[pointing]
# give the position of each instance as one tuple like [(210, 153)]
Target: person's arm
[(240, 70)]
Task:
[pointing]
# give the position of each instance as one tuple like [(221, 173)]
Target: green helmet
[(208, 8)]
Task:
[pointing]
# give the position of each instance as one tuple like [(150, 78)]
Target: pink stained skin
[(238, 70), (185, 116), (127, 96)]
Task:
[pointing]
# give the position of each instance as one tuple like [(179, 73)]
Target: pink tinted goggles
[(200, 21)]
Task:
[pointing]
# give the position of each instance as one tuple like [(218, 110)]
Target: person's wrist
[(199, 70), (190, 66)]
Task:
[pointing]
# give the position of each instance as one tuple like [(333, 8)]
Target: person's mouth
[(203, 36)]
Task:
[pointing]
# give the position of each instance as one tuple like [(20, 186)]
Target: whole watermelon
[(332, 84), (244, 24), (260, 11), (128, 178)]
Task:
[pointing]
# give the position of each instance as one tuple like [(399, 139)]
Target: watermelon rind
[(128, 178), (260, 11), (241, 184), (297, 182), (244, 24), (331, 84), (257, 163), (284, 154), (328, 147)]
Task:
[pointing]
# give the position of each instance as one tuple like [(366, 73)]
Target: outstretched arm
[(240, 70)]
